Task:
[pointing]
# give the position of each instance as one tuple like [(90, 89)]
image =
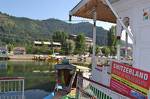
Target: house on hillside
[(88, 40), (19, 51), (38, 43), (55, 45), (3, 52)]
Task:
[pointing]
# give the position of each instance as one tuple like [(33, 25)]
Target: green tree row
[(69, 46)]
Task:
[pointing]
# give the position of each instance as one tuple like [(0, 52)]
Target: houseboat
[(121, 79)]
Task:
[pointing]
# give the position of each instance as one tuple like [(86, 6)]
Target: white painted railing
[(87, 89), (12, 96), (11, 88)]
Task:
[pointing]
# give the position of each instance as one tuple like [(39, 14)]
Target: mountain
[(20, 30)]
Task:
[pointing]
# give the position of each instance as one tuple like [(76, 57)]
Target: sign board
[(130, 81)]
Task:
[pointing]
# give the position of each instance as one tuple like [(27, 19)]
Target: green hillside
[(17, 30)]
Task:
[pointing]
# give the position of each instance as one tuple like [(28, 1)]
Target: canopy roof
[(85, 9), (65, 66)]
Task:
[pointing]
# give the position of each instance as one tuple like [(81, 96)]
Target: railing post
[(15, 86), (4, 86), (8, 86), (77, 90), (20, 86), (0, 87), (96, 90), (23, 89)]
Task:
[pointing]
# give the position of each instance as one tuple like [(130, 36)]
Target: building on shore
[(19, 51), (3, 52), (38, 43), (55, 45), (88, 40)]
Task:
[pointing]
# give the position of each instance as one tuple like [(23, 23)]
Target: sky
[(38, 9), (42, 9)]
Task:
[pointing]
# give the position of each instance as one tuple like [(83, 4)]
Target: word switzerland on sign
[(130, 81)]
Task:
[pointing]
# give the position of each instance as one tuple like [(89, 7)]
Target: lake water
[(38, 75)]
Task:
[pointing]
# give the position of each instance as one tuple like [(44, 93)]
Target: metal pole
[(15, 86), (118, 50), (126, 48), (119, 31), (77, 88), (94, 41), (0, 87), (8, 86), (4, 87), (23, 86)]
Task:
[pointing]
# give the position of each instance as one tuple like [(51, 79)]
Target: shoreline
[(21, 57), (30, 57)]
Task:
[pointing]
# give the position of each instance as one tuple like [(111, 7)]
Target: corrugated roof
[(47, 43), (37, 42), (56, 43), (85, 9)]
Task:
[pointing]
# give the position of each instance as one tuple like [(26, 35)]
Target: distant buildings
[(3, 52), (88, 40), (19, 51), (55, 45), (123, 49), (38, 43)]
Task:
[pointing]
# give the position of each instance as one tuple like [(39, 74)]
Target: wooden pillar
[(94, 41)]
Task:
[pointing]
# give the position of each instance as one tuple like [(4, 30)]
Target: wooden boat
[(54, 59), (65, 80)]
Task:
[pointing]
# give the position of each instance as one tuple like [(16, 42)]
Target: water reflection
[(3, 65), (38, 75)]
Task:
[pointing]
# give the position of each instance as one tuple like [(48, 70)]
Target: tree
[(105, 51), (70, 46), (98, 50), (10, 47), (80, 44), (111, 36), (61, 37), (112, 40)]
